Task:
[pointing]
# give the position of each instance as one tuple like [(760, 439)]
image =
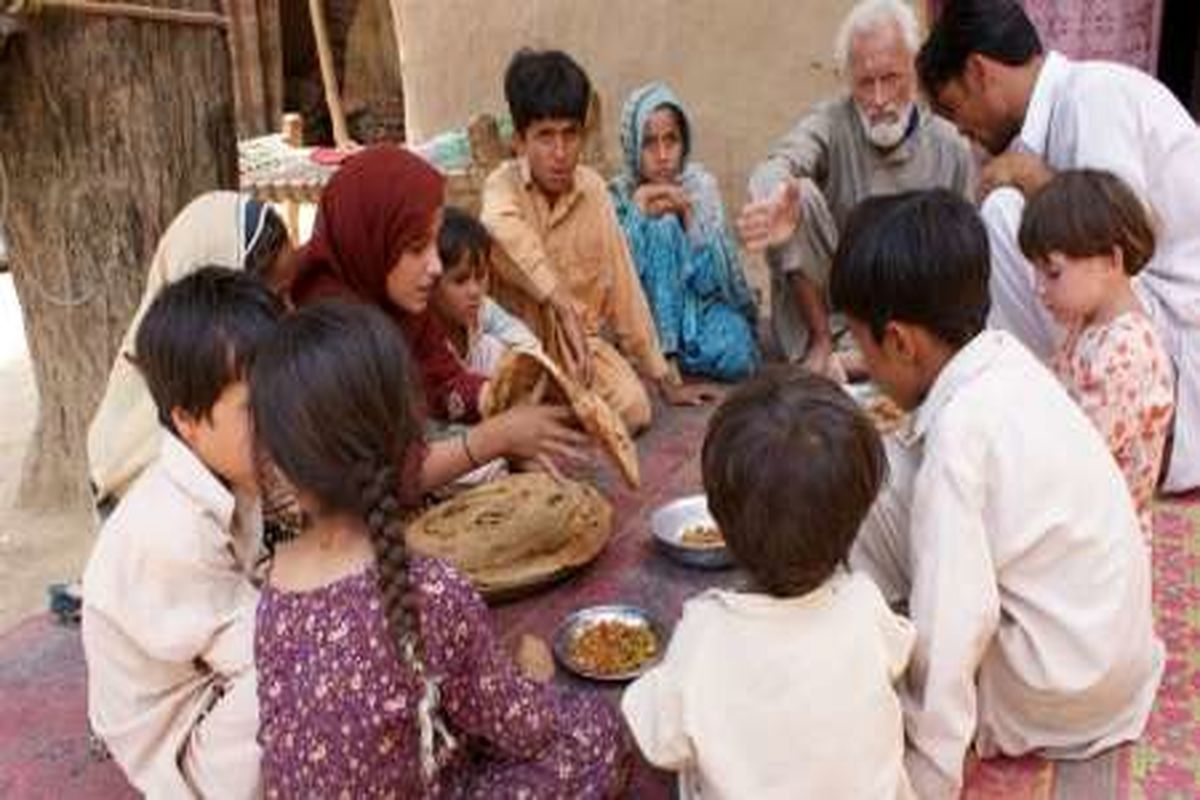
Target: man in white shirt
[(1006, 523), (984, 67)]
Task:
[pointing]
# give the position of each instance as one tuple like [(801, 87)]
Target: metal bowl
[(881, 409), (670, 521), (863, 393), (578, 622)]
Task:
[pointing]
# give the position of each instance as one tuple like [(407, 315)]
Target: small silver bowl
[(670, 521), (578, 622)]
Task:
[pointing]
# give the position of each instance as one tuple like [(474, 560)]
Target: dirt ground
[(36, 547)]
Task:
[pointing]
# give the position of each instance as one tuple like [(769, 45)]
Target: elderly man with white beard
[(876, 139)]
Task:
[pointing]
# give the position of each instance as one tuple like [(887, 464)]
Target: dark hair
[(916, 257), (791, 466), (1084, 213), (546, 84), (199, 335), (998, 29), (334, 407), (262, 256), (463, 236)]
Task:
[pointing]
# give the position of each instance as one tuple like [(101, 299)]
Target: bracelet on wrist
[(466, 448)]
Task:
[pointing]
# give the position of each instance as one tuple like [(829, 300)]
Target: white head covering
[(216, 229)]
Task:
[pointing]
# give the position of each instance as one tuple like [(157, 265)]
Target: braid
[(382, 513)]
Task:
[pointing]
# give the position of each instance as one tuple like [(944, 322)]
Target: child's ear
[(185, 425), (1118, 258), (518, 143), (899, 342)]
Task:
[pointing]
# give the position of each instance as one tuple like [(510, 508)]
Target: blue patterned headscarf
[(643, 102)]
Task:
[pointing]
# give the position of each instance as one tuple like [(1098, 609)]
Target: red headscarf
[(379, 203)]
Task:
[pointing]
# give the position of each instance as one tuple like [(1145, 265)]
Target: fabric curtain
[(1113, 30)]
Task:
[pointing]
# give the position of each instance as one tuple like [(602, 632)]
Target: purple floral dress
[(338, 707)]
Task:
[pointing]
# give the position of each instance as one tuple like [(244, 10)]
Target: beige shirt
[(1030, 581), (768, 697), (168, 617), (575, 244)]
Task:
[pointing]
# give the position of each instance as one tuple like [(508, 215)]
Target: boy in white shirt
[(1006, 525), (168, 602), (785, 690)]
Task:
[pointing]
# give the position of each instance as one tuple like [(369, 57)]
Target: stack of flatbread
[(529, 376), (515, 532)]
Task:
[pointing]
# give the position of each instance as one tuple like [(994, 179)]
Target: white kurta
[(1108, 116), (770, 697), (1030, 584), (168, 632)]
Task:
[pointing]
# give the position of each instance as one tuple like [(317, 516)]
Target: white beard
[(887, 133)]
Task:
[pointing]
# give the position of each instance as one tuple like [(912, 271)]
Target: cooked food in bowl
[(702, 536), (613, 647), (686, 531)]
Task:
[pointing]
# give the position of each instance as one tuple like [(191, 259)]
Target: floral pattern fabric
[(1121, 377), (339, 708)]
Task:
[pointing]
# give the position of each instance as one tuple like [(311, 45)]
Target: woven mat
[(43, 743)]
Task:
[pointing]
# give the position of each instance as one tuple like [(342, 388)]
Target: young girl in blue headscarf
[(671, 212)]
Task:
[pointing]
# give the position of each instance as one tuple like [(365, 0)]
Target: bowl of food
[(687, 532), (609, 643)]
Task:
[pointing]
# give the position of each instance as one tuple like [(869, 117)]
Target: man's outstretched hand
[(767, 223)]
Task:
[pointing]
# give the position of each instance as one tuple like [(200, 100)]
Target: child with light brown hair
[(1088, 236)]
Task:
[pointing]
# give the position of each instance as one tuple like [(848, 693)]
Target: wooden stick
[(293, 135), (333, 98), (132, 10)]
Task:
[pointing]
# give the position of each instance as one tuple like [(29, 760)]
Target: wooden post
[(292, 129), (333, 97)]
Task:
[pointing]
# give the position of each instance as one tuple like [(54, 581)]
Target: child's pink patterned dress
[(338, 707), (1120, 375)]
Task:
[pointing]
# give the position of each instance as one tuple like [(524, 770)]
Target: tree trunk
[(108, 126)]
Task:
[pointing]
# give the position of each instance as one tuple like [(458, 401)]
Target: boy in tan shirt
[(561, 252), (168, 613)]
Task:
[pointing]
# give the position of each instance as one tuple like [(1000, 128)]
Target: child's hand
[(578, 355), (534, 660)]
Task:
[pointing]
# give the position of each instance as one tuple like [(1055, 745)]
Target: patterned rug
[(43, 743)]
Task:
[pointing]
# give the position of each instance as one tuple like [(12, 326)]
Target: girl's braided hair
[(334, 406)]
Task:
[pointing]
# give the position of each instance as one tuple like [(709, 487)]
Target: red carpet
[(43, 741)]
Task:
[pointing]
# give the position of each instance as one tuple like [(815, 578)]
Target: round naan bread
[(515, 532), (525, 376)]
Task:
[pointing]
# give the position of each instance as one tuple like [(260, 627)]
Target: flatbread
[(515, 532), (530, 376)]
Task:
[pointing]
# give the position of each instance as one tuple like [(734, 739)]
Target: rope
[(131, 10)]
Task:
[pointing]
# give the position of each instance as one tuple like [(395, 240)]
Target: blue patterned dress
[(703, 310)]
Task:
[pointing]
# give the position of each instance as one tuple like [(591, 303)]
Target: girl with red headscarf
[(375, 240)]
